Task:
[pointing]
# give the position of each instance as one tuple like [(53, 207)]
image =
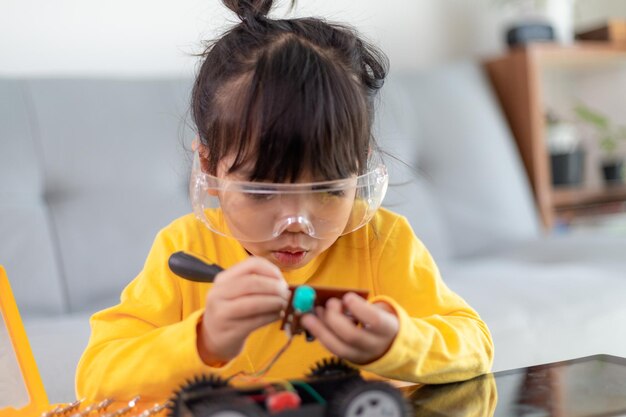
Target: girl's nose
[(294, 224)]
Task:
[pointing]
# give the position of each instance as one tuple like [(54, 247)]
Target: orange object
[(25, 393), (284, 400)]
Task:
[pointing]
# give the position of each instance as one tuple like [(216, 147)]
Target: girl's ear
[(203, 153), (196, 145)]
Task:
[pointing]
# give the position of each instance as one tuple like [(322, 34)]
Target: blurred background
[(507, 115), (153, 38)]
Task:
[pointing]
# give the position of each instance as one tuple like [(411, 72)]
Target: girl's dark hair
[(287, 97)]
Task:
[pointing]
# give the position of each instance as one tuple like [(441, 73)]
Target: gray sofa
[(91, 169)]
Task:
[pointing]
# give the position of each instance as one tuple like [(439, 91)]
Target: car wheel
[(369, 399), (332, 367), (229, 407)]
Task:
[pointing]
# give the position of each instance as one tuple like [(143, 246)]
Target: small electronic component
[(282, 400), (304, 298)]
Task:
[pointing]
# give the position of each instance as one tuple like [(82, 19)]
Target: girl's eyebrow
[(261, 187), (322, 187)]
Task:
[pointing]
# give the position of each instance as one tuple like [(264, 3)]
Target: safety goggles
[(261, 211)]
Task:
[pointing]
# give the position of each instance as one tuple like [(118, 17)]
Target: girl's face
[(293, 217)]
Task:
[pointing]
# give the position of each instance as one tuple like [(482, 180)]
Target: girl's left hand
[(359, 342)]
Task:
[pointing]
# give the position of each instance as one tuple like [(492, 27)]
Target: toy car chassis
[(332, 389)]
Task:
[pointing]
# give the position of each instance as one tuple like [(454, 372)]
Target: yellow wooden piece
[(37, 400)]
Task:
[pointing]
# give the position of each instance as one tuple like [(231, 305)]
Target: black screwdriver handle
[(190, 267)]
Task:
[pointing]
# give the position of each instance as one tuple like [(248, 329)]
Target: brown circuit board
[(322, 295)]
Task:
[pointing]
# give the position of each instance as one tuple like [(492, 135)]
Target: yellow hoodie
[(147, 343)]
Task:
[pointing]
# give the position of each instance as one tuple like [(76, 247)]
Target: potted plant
[(567, 156), (609, 135)]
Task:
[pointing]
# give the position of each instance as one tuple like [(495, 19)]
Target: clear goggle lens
[(258, 211)]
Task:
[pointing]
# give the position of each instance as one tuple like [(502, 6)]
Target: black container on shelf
[(568, 168), (613, 172), (523, 33)]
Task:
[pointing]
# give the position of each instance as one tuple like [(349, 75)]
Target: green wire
[(311, 391)]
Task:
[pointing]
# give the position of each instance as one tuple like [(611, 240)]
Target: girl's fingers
[(252, 276), (345, 329), (359, 343), (243, 298), (377, 319), (255, 322), (254, 284), (253, 305), (226, 342), (327, 337), (251, 266)]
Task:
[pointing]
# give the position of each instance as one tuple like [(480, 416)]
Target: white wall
[(594, 12), (155, 37)]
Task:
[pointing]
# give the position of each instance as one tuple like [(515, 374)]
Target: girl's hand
[(244, 297), (361, 342)]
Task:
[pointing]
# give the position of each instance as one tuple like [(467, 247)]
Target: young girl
[(286, 189)]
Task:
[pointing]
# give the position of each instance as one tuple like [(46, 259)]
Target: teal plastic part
[(303, 299)]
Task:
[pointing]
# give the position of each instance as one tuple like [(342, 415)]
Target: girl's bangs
[(296, 116)]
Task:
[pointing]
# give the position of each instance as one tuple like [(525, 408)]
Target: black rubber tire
[(228, 407), (199, 382), (331, 367), (368, 399)]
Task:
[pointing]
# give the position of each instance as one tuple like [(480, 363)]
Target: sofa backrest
[(26, 238), (465, 188), (91, 170)]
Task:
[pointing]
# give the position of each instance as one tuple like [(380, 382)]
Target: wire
[(311, 391), (255, 376), (267, 367), (271, 363)]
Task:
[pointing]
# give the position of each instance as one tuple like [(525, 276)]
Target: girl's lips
[(289, 258)]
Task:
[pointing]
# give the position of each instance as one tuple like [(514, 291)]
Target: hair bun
[(249, 8)]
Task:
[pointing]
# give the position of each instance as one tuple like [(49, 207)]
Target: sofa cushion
[(57, 343), (541, 312), (27, 239), (410, 192), (466, 151), (116, 172)]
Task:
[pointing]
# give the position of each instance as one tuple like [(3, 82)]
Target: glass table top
[(585, 387)]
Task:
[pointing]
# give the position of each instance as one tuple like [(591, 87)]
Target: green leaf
[(608, 143), (592, 117)]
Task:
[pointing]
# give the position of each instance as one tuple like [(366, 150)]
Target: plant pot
[(561, 15), (568, 168), (524, 32), (613, 172)]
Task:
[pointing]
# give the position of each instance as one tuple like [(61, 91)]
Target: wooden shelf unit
[(516, 78), (572, 197)]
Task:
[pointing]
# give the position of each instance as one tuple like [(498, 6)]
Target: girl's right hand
[(244, 297)]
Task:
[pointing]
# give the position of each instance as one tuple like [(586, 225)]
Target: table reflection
[(541, 393), (584, 387), (593, 386), (476, 397)]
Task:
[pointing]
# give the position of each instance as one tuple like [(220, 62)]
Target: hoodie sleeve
[(146, 327), (441, 338)]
